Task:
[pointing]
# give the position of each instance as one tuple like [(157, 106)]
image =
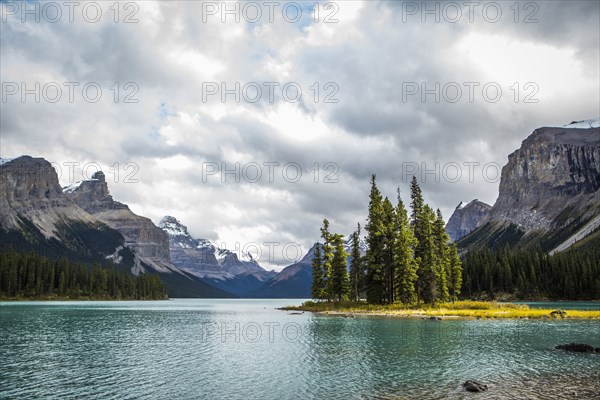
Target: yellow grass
[(463, 309)]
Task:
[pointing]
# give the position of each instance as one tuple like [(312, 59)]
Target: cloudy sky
[(301, 102)]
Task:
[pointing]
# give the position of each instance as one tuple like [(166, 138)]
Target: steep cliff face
[(29, 188), (141, 235), (466, 218), (35, 215), (555, 168), (549, 190)]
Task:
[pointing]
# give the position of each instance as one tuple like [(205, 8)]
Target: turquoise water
[(563, 305), (246, 349)]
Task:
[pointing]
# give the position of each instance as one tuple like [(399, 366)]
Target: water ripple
[(195, 349)]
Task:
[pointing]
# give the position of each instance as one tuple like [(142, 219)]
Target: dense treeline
[(28, 275), (532, 274), (408, 259)]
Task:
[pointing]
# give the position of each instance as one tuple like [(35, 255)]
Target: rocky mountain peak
[(227, 269), (466, 218), (29, 188), (140, 234), (28, 178), (173, 226), (99, 175), (93, 195)]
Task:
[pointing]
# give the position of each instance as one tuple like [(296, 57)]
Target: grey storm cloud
[(374, 54)]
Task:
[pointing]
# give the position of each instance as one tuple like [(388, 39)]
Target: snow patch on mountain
[(585, 124), (74, 186), (228, 270), (6, 160)]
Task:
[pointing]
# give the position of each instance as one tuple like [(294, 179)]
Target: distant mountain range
[(83, 223), (221, 268), (245, 278), (549, 196)]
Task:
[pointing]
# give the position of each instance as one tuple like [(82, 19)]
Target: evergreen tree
[(405, 263), (572, 274), (455, 278), (416, 200), (339, 285), (389, 240), (421, 233), (356, 267), (318, 281), (327, 260), (426, 248), (29, 275), (442, 259), (375, 279)]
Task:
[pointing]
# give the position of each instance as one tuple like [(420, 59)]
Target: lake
[(247, 349)]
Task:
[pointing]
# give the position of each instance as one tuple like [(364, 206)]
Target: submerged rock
[(474, 386), (558, 314), (577, 347)]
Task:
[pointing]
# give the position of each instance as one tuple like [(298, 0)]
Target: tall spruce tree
[(318, 277), (389, 240), (426, 247), (339, 285), (405, 263), (374, 280), (416, 200), (418, 222), (442, 260), (327, 259), (455, 281), (356, 267)]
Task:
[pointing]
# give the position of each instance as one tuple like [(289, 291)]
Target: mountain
[(36, 215), (549, 191), (295, 280), (141, 235), (221, 268), (466, 218)]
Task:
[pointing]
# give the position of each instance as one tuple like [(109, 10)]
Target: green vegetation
[(532, 274), (411, 267), (407, 260), (356, 275), (75, 240), (461, 309), (31, 276), (493, 232), (330, 277)]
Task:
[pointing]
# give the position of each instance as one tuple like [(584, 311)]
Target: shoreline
[(458, 310), (13, 300), (440, 317)]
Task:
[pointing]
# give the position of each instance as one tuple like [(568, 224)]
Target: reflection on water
[(191, 349)]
